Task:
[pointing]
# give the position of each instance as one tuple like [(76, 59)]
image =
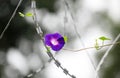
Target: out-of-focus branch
[(6, 27), (77, 33)]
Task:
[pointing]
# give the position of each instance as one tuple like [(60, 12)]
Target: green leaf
[(104, 38), (21, 14), (29, 14), (65, 38)]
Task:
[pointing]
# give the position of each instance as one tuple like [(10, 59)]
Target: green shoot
[(103, 38), (28, 14), (21, 14), (97, 45)]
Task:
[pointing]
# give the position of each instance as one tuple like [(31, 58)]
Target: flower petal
[(59, 46), (56, 35), (48, 37)]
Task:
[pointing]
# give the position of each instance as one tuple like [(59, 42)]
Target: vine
[(48, 50)]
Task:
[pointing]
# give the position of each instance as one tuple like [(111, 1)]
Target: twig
[(65, 18), (75, 28), (6, 27), (91, 47)]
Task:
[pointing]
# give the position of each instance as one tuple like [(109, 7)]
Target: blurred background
[(22, 52)]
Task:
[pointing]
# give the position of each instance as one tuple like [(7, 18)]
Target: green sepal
[(65, 38)]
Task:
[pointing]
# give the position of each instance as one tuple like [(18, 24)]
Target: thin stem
[(65, 19), (90, 47), (75, 28), (102, 42), (6, 27), (106, 53)]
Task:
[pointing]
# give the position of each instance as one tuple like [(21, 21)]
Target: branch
[(6, 27)]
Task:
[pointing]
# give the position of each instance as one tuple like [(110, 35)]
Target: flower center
[(54, 41)]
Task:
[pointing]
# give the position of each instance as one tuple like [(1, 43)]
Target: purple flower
[(55, 41)]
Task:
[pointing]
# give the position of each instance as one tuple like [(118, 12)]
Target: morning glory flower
[(55, 41)]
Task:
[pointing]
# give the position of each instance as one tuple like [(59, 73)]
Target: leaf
[(21, 14), (65, 38), (104, 38), (29, 14)]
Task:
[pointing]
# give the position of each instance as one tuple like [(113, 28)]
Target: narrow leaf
[(29, 14), (104, 38), (21, 14)]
